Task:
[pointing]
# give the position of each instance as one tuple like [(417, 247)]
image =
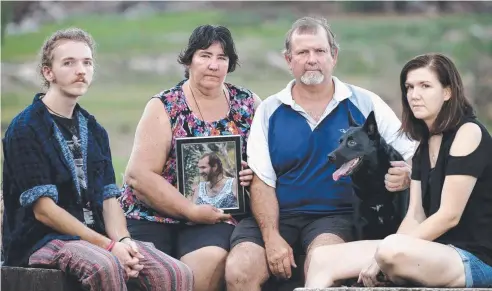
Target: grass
[(169, 31), (114, 34), (372, 53)]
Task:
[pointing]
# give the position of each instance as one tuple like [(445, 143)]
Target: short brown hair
[(311, 24), (452, 112), (46, 53)]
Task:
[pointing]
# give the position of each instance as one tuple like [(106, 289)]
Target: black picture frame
[(189, 152)]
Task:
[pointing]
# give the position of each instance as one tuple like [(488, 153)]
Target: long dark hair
[(452, 112)]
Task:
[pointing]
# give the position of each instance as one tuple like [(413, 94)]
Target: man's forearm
[(47, 212), (160, 195), (114, 220), (264, 205)]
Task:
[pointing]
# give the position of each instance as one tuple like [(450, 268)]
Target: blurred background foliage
[(138, 44)]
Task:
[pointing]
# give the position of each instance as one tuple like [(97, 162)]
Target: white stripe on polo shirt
[(365, 100)]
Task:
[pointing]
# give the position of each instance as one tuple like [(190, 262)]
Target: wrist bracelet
[(110, 246), (125, 237)]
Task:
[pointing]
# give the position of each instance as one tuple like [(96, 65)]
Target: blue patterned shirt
[(38, 163)]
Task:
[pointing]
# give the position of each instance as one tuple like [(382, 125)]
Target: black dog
[(364, 155)]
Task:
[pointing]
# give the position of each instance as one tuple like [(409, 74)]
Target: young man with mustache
[(59, 185), (294, 198)]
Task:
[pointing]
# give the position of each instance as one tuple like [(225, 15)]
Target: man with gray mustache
[(294, 199)]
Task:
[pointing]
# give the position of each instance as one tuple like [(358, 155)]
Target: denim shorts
[(477, 273)]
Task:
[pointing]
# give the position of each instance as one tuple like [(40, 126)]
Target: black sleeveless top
[(474, 230)]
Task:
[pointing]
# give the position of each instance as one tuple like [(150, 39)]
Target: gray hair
[(311, 25)]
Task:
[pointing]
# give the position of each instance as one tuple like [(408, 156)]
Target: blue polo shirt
[(288, 149)]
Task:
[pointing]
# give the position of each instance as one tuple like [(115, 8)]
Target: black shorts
[(178, 240), (298, 230)]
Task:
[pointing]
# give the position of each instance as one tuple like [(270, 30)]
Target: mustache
[(313, 69)]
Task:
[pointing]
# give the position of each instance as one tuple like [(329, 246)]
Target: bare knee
[(324, 239), (392, 252), (246, 263), (208, 265), (207, 258)]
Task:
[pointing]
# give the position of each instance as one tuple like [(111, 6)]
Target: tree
[(7, 11)]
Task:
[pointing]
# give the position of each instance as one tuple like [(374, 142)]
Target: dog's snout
[(331, 158)]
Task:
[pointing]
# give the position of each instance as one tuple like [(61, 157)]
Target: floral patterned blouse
[(184, 123)]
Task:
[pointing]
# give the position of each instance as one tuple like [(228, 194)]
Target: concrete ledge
[(391, 289), (34, 279), (38, 279)]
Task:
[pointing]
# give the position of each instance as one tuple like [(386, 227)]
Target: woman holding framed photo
[(201, 105)]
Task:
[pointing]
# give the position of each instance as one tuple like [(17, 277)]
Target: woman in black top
[(445, 239)]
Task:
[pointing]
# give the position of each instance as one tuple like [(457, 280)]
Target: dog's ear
[(351, 120), (371, 126)]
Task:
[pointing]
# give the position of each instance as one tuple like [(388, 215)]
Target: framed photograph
[(208, 171)]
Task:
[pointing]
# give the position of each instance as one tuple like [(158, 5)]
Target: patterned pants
[(98, 269)]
